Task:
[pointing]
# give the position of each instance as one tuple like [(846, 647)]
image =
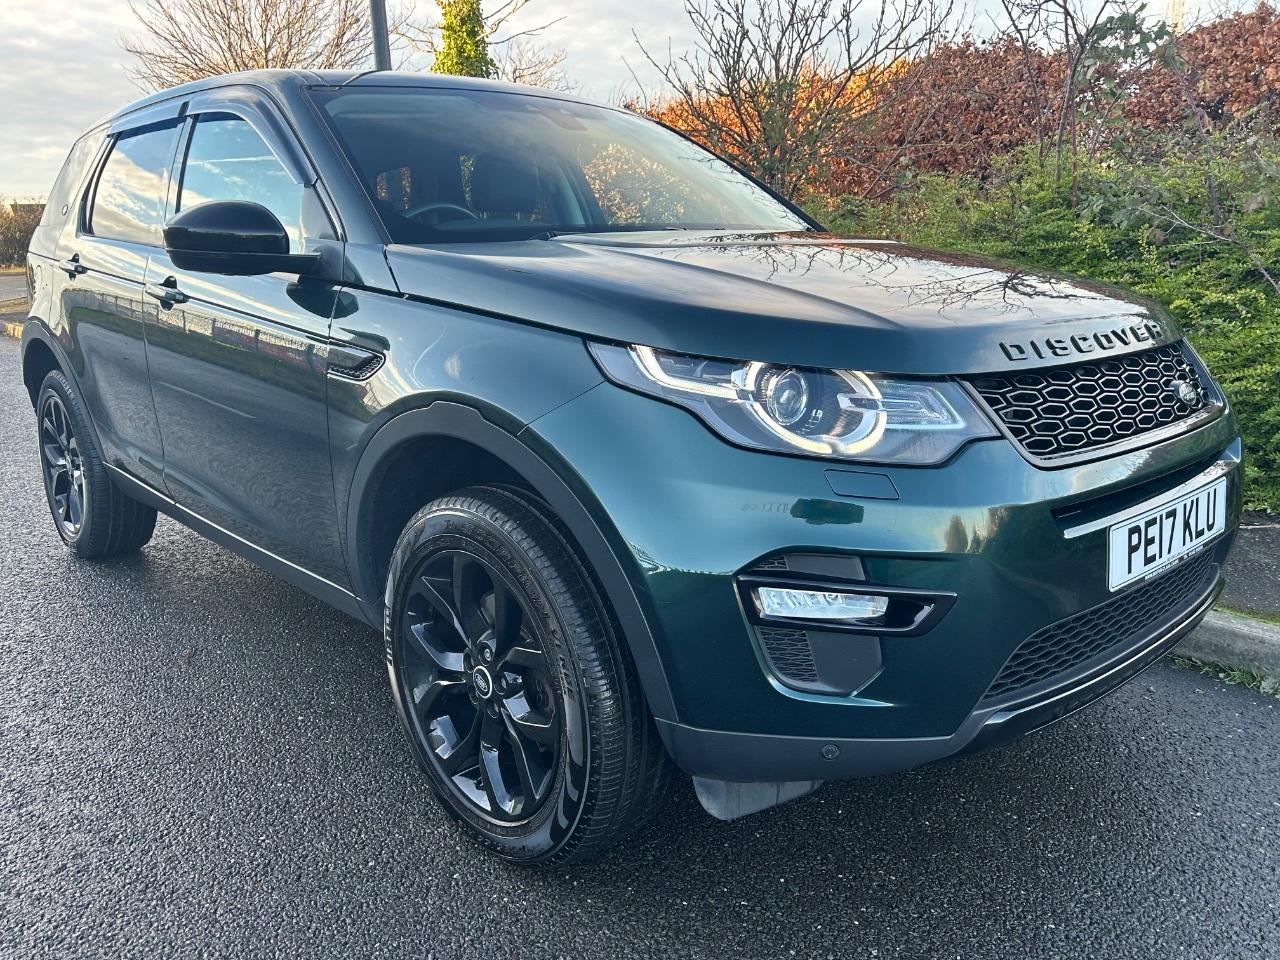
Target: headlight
[(844, 414)]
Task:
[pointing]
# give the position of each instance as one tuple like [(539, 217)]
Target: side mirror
[(232, 237)]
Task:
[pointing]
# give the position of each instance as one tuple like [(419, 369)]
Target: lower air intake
[(1100, 631), (788, 654)]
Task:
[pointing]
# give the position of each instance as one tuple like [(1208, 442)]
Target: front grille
[(1067, 410), (789, 654), (1104, 629)]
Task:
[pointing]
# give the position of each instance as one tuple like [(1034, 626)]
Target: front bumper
[(688, 514), (739, 757)]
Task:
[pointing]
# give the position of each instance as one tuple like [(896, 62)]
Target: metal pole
[(381, 42)]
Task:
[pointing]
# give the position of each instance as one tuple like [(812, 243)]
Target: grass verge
[(1251, 614), (1243, 676)]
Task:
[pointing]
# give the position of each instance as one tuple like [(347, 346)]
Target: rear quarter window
[(66, 189), (64, 197)]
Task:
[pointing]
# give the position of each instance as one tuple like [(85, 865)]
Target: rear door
[(238, 364), (102, 300)]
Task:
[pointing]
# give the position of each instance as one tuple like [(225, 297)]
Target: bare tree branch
[(519, 55), (184, 40), (536, 64), (775, 84)]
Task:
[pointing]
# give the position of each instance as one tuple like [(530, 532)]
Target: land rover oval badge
[(1186, 392)]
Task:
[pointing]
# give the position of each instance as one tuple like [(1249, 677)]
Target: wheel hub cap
[(482, 683)]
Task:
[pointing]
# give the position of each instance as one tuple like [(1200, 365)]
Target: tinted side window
[(227, 160), (129, 201)]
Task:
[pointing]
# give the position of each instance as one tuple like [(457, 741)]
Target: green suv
[(638, 470)]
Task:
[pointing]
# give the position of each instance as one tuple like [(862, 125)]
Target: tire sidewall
[(546, 833)]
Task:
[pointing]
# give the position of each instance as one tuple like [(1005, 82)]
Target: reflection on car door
[(238, 364), (102, 297)]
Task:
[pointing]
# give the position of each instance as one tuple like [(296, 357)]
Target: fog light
[(818, 605)]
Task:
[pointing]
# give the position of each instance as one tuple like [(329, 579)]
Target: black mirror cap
[(231, 237)]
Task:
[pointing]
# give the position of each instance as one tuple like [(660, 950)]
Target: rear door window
[(128, 203)]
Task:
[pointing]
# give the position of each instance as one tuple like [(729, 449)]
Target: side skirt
[(318, 587)]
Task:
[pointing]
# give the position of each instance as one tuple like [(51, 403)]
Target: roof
[(271, 80)]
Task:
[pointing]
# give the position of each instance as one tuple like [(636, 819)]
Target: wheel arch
[(40, 356), (450, 428), (42, 353)]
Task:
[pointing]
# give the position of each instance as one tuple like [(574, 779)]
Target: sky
[(62, 69)]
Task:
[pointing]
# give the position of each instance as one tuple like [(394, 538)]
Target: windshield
[(447, 165)]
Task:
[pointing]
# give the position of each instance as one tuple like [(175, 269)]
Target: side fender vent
[(352, 363)]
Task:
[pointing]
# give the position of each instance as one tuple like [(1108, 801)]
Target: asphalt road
[(1253, 570), (198, 760), (12, 285)]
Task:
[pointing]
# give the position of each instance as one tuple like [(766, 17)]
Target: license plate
[(1145, 545)]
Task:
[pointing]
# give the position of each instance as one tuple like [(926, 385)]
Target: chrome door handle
[(165, 293), (72, 267)]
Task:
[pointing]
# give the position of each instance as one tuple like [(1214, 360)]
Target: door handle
[(165, 292), (72, 267)]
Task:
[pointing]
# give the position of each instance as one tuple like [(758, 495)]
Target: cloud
[(63, 70), (597, 34)]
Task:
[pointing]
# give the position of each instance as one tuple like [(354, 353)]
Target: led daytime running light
[(788, 604), (647, 360)]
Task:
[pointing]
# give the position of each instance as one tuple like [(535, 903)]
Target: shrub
[(16, 227), (1145, 228)]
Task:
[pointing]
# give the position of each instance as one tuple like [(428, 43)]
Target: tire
[(656, 771), (516, 692), (93, 517)]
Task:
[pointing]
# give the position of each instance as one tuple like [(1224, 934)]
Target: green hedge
[(1114, 225)]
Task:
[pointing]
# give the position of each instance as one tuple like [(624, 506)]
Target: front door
[(238, 363)]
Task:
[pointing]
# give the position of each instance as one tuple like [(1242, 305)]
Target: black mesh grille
[(1106, 628), (789, 654), (772, 563), (1067, 410)]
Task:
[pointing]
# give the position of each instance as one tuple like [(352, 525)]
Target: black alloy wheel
[(514, 686), (91, 514), (480, 686), (63, 466)]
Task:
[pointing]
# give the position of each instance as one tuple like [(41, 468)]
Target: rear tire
[(93, 517), (515, 689)]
